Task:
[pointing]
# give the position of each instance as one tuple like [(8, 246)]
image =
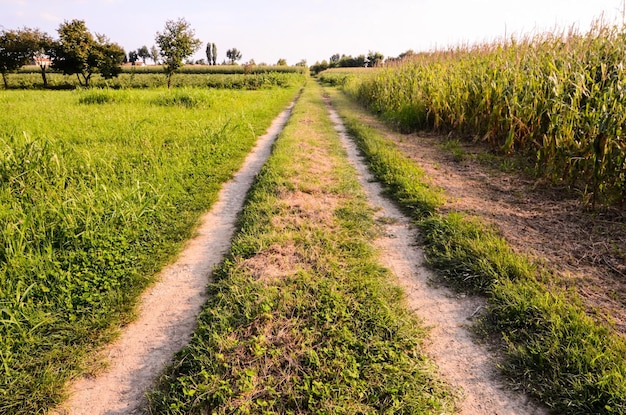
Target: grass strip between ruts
[(301, 318), (553, 348)]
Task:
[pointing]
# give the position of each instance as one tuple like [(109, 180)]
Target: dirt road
[(166, 317)]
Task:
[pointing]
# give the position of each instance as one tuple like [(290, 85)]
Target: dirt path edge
[(166, 316), (462, 362)]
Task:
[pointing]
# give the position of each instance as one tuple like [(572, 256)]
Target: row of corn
[(558, 98)]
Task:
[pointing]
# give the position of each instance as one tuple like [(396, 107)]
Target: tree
[(143, 53), (209, 53), (176, 43), (281, 62), (234, 55), (214, 50), (108, 57), (154, 54), (79, 52), (405, 55), (374, 59), (133, 57), (302, 63), (18, 47), (12, 54), (319, 67)]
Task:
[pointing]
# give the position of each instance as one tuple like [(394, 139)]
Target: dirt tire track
[(462, 362), (167, 311)]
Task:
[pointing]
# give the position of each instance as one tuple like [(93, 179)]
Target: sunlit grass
[(98, 189), (301, 318)]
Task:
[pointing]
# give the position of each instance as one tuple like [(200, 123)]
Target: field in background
[(221, 76), (98, 189), (559, 99)]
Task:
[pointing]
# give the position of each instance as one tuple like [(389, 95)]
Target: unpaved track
[(462, 362), (168, 310)]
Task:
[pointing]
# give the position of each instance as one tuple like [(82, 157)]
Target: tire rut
[(461, 361), (167, 311)]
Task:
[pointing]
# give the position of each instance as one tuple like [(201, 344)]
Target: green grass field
[(231, 77), (98, 189)]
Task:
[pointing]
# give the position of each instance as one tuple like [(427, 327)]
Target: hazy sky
[(266, 30)]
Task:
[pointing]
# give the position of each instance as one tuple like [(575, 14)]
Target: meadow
[(98, 190), (558, 99)]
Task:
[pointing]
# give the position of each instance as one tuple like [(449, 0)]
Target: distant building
[(138, 63), (41, 61)]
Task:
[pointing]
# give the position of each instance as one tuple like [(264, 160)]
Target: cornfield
[(559, 98)]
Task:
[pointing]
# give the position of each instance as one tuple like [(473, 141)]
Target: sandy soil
[(168, 310), (461, 361)]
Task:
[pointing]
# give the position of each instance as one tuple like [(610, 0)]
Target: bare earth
[(461, 361), (168, 310), (586, 249)]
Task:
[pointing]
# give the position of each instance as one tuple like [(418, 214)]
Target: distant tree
[(214, 53), (281, 62), (176, 43), (43, 56), (374, 59), (143, 53), (133, 57), (409, 53), (154, 54), (209, 53), (234, 55), (319, 67), (334, 60), (12, 54), (302, 63), (200, 62), (108, 57), (79, 52), (19, 47)]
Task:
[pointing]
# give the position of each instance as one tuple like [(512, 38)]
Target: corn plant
[(558, 97)]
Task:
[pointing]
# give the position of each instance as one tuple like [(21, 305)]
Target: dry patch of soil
[(587, 249)]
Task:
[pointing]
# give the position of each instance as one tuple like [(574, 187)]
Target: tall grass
[(557, 97), (98, 189)]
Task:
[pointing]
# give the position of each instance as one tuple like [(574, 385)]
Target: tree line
[(372, 59), (78, 52)]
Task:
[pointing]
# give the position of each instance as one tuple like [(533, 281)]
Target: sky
[(268, 30)]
